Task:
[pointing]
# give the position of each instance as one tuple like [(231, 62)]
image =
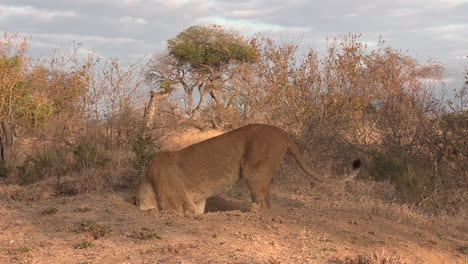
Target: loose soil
[(295, 230)]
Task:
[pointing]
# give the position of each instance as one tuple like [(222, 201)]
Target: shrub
[(144, 148), (413, 174), (43, 163), (4, 169), (89, 155)]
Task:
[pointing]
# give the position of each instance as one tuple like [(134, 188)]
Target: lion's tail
[(300, 160)]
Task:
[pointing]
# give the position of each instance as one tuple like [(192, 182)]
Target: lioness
[(183, 180)]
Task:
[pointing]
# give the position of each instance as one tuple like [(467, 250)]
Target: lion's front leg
[(200, 207), (146, 198)]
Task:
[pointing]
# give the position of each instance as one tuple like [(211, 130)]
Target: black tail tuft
[(356, 164)]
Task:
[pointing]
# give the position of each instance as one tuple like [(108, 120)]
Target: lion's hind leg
[(258, 173), (258, 180)]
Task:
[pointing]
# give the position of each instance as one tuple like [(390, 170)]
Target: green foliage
[(89, 155), (24, 249), (33, 108), (82, 209), (49, 211), (166, 86), (412, 174), (84, 244), (96, 229), (11, 82), (13, 62), (210, 45), (4, 169), (147, 233), (41, 164), (144, 148)]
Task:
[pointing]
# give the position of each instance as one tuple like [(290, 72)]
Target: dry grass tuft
[(177, 248), (96, 229), (145, 234), (375, 258)]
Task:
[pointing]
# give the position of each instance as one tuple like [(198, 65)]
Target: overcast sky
[(131, 29)]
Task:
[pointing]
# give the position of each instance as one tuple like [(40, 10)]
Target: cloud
[(133, 20), (7, 12), (426, 28), (241, 24)]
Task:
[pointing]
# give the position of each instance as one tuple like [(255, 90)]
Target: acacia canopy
[(211, 46)]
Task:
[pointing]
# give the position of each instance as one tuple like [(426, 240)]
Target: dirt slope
[(292, 232)]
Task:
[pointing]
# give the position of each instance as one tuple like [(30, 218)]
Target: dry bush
[(88, 155), (77, 117), (354, 102)]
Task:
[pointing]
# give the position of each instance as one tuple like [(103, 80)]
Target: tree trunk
[(150, 109), (7, 141)]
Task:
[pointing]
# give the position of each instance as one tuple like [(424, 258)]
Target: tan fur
[(183, 180)]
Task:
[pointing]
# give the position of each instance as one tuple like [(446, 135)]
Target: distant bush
[(88, 155), (414, 174), (43, 163), (4, 169)]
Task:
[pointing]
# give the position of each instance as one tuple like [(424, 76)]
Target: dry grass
[(96, 229), (89, 180), (145, 233), (375, 258), (177, 248), (33, 192), (376, 199)]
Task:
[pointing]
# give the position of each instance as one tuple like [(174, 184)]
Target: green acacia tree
[(201, 60), (13, 69)]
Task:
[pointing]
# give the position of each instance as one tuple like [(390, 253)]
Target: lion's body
[(183, 180)]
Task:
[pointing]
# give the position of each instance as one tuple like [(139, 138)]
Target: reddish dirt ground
[(293, 231)]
